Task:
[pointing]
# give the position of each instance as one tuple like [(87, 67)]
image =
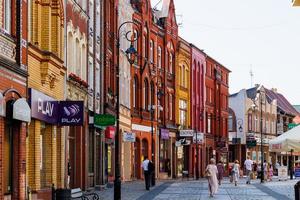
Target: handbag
[(207, 173)]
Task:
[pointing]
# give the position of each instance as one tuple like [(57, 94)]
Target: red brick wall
[(1, 155)]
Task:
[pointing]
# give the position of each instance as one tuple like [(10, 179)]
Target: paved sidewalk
[(198, 190)]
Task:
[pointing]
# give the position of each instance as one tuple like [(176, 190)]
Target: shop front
[(165, 153), (184, 156), (109, 153), (46, 140), (14, 115)]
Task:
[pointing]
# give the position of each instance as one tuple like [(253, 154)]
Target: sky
[(244, 35)]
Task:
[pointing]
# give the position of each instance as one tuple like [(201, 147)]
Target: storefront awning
[(288, 141), (21, 110)]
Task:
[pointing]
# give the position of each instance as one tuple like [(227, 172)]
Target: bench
[(185, 174), (78, 194)]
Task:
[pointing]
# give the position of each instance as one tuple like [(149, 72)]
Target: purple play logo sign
[(48, 109), (71, 113)]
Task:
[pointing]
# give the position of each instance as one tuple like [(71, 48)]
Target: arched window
[(144, 46), (83, 60), (78, 58), (159, 57), (171, 63), (146, 94), (135, 44), (182, 77), (152, 98), (135, 92), (7, 15), (70, 65), (151, 51), (170, 107)]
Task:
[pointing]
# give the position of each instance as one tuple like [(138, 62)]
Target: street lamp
[(130, 55), (260, 97)]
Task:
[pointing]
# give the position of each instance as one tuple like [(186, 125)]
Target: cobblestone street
[(196, 190)]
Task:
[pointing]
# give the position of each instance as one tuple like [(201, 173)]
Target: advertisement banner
[(282, 173), (164, 134), (71, 113), (43, 107), (297, 172)]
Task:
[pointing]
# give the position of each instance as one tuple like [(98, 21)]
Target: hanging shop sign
[(104, 120), (71, 113), (199, 137), (43, 107), (128, 137), (110, 132), (186, 133), (2, 106), (48, 109), (21, 110), (164, 134)]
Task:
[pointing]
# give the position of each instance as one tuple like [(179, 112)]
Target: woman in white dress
[(236, 172), (211, 174)]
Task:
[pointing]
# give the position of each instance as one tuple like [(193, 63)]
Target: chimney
[(256, 85)]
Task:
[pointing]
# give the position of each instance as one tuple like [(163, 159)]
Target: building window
[(78, 58), (83, 65), (255, 123), (208, 125), (230, 123), (7, 16), (183, 112), (159, 57), (182, 77), (135, 92), (152, 93), (151, 51), (170, 107), (249, 122), (144, 46), (146, 94), (135, 44), (170, 63)]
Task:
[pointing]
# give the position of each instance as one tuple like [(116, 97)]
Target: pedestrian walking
[(221, 170), (211, 174), (248, 167), (265, 170), (270, 172), (145, 166), (236, 172)]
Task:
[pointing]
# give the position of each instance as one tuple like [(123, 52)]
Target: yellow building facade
[(183, 97), (45, 143), (183, 89)]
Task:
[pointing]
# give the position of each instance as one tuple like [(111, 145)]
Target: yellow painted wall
[(183, 58), (46, 74)]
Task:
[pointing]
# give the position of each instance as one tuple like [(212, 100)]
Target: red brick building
[(198, 63), (14, 110), (216, 110), (153, 83), (110, 9), (76, 63)]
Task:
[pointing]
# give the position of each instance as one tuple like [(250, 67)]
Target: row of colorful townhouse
[(58, 69)]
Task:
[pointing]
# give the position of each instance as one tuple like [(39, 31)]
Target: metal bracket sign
[(104, 120)]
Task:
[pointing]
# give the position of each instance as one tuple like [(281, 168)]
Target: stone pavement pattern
[(198, 190)]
